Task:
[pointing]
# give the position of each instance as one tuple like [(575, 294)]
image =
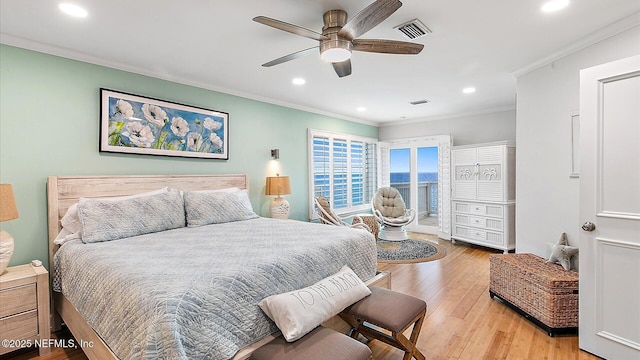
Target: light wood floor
[(462, 321)]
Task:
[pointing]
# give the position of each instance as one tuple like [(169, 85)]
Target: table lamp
[(8, 211), (278, 185)]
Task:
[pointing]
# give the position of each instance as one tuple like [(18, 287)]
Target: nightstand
[(24, 309)]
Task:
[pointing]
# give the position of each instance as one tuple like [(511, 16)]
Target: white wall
[(547, 200), (464, 130)]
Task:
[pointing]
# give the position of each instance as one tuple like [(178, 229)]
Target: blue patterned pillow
[(217, 207), (104, 220)]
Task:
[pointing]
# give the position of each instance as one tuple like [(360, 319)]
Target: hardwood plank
[(462, 322)]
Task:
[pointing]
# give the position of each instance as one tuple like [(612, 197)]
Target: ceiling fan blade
[(342, 68), (368, 18), (289, 57), (294, 29), (387, 46)]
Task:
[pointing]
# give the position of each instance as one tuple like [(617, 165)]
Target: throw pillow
[(71, 222), (298, 312), (104, 220), (204, 208), (561, 252)]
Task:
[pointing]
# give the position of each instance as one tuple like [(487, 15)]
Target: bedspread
[(192, 293)]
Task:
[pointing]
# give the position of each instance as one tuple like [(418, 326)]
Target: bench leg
[(397, 340), (410, 343)]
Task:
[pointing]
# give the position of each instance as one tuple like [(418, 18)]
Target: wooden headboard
[(64, 191)]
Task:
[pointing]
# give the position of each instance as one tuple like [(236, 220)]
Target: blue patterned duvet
[(192, 293)]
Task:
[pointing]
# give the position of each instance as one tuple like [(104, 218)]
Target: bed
[(208, 303)]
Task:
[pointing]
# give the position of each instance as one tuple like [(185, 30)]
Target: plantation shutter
[(321, 160), (371, 171), (384, 171), (444, 187), (357, 173), (343, 169), (340, 174)]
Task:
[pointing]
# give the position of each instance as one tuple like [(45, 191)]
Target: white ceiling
[(214, 44)]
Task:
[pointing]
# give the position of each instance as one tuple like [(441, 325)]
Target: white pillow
[(63, 236), (71, 222), (300, 311)]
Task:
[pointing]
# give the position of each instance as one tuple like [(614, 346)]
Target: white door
[(610, 200)]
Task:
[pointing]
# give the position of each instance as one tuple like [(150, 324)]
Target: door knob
[(588, 226)]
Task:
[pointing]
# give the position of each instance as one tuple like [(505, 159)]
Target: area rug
[(409, 251)]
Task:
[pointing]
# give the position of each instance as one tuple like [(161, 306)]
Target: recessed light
[(362, 109), (469, 90), (73, 10), (554, 5), (299, 81)]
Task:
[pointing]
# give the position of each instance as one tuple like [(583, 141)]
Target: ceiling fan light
[(335, 55)]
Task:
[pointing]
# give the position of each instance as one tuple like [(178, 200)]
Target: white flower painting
[(154, 114), (139, 135), (136, 124)]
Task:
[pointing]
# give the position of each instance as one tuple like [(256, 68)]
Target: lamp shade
[(278, 185), (8, 209)]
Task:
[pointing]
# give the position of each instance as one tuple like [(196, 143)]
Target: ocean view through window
[(342, 168), (425, 167)]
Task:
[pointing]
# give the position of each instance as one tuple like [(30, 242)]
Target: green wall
[(49, 118)]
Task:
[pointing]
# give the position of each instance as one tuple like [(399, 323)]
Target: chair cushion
[(388, 309), (320, 344), (389, 202), (403, 220)]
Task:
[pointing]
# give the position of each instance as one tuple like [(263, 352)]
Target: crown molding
[(36, 46), (449, 116), (609, 31)]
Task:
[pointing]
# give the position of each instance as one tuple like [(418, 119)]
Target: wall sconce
[(275, 154)]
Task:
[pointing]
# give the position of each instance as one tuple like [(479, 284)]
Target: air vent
[(413, 29), (419, 102)]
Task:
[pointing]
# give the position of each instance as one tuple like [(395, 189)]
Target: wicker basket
[(545, 292), (370, 220)]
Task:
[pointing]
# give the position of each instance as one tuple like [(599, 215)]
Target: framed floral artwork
[(141, 125)]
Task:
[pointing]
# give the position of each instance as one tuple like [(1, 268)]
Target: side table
[(24, 314), (371, 222)]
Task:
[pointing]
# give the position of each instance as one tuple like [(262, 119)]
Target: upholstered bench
[(391, 311), (320, 344), (544, 293)]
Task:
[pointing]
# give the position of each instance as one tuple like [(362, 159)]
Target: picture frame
[(136, 124), (575, 146)]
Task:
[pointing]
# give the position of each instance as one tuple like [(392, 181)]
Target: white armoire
[(483, 194)]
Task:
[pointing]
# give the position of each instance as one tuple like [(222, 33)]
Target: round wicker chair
[(392, 214), (327, 216)]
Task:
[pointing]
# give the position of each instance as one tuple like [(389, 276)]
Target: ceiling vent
[(419, 102), (413, 29)]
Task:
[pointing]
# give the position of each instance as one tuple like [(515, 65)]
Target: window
[(343, 169)]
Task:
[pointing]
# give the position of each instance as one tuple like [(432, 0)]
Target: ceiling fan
[(339, 37)]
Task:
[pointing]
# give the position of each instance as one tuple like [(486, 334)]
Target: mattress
[(192, 293)]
